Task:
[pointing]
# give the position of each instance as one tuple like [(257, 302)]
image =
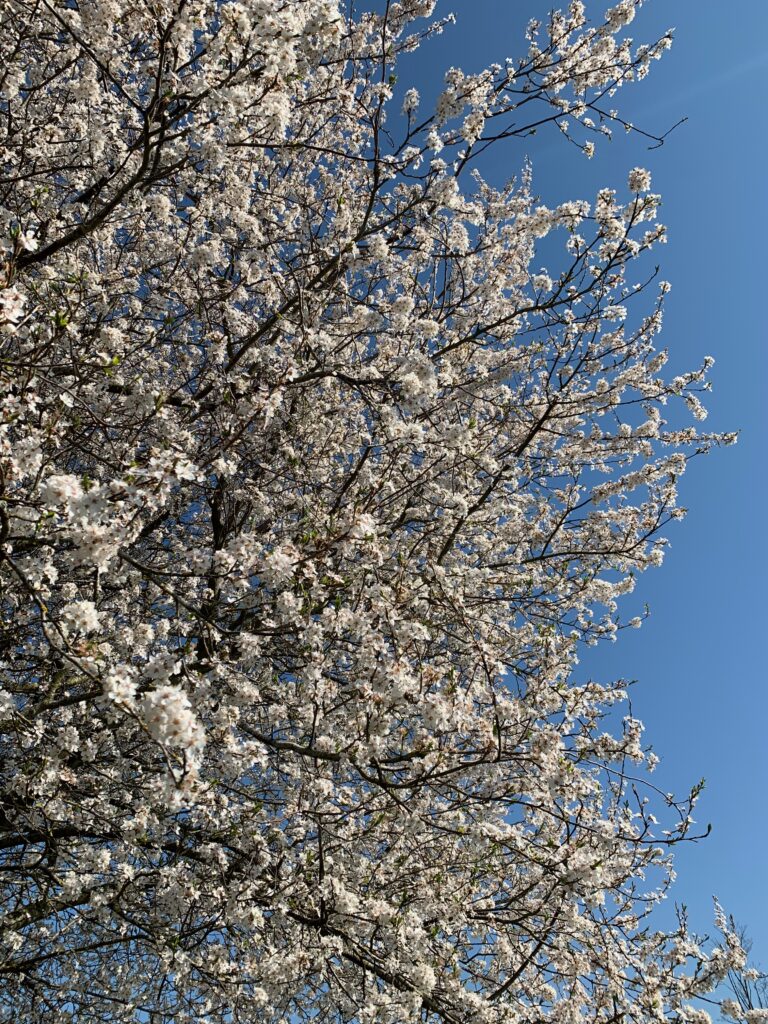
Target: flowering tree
[(312, 489)]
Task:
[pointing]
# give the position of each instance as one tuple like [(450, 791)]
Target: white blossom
[(639, 180), (410, 101), (12, 303), (120, 684), (730, 1008), (81, 617), (170, 718)]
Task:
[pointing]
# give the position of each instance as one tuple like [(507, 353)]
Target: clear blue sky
[(699, 659)]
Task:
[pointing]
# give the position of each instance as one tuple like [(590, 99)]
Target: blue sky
[(698, 660)]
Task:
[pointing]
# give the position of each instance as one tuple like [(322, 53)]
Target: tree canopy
[(312, 489)]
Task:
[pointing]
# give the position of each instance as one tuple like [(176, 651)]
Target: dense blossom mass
[(313, 485)]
